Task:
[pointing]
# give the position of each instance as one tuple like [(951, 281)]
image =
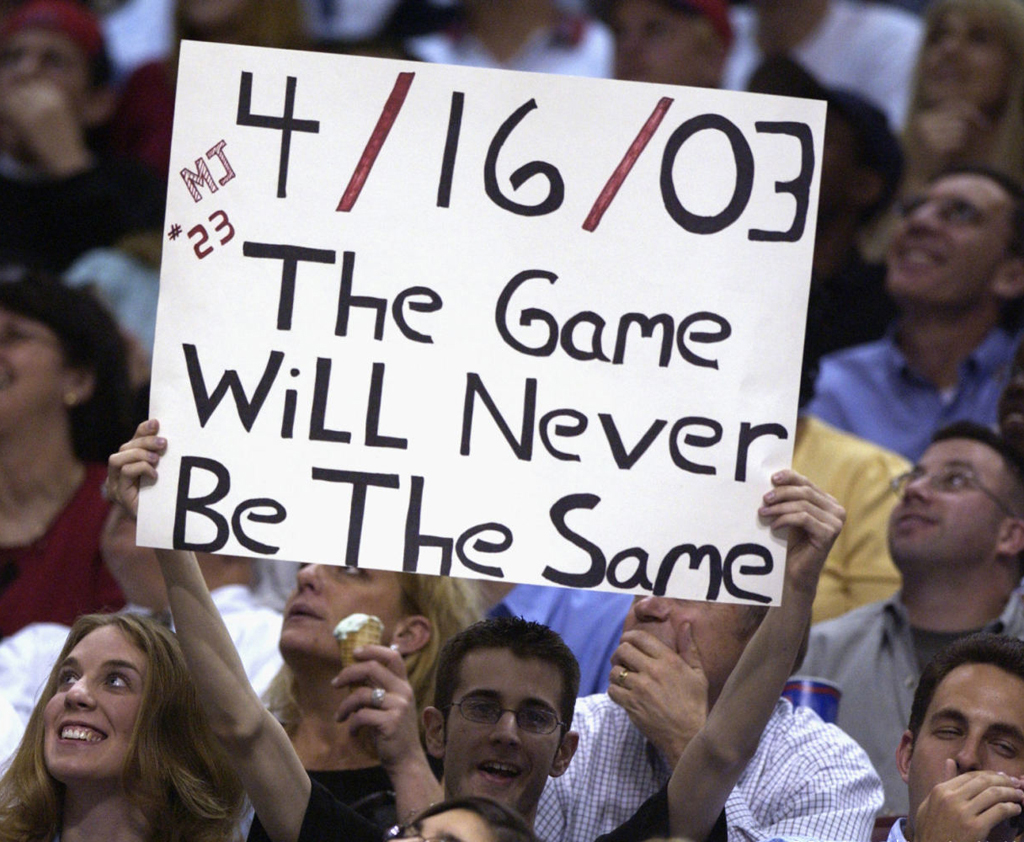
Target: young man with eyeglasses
[(955, 269), (956, 535), (490, 669)]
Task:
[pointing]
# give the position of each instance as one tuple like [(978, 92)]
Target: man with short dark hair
[(956, 536), (962, 755), (489, 668), (955, 269)]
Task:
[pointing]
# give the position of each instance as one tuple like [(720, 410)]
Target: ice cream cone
[(357, 630)]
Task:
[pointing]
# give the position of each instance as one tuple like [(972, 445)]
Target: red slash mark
[(373, 145), (604, 200)]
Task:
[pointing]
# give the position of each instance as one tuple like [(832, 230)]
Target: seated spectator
[(956, 536), (672, 42), (861, 168), (419, 613), (58, 196), (962, 755), (141, 124), (64, 399), (526, 35), (966, 106), (955, 268), (118, 747), (864, 47), (804, 779), (484, 751)]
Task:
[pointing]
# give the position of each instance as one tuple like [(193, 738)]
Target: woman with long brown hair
[(118, 748)]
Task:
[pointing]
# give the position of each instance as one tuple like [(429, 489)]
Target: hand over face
[(42, 126), (969, 807), (664, 693)]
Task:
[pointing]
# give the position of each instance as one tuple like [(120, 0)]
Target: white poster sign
[(480, 323)]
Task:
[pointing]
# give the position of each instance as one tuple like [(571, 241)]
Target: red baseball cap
[(68, 17)]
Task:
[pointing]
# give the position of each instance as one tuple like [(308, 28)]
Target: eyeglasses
[(953, 211), (951, 479), (533, 720)]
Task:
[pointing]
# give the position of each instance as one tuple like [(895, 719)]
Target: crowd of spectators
[(464, 724)]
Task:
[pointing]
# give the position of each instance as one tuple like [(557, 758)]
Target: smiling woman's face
[(90, 719), (965, 57)]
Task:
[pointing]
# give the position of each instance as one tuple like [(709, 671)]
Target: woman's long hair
[(175, 772)]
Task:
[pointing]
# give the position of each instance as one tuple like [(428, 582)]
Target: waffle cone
[(369, 633)]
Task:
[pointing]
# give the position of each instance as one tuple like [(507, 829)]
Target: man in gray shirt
[(955, 536)]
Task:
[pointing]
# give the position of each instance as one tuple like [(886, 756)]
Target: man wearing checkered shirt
[(806, 779)]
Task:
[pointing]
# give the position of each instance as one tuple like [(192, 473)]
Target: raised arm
[(257, 745), (713, 760)]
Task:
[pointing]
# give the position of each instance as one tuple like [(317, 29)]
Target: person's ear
[(904, 751), (566, 750), (433, 728), (1008, 281), (99, 106), (411, 634), (1010, 538), (77, 386)]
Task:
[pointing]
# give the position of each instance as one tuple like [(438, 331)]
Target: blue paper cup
[(819, 694)]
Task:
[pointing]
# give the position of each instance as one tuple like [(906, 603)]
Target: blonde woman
[(967, 104), (419, 614)]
